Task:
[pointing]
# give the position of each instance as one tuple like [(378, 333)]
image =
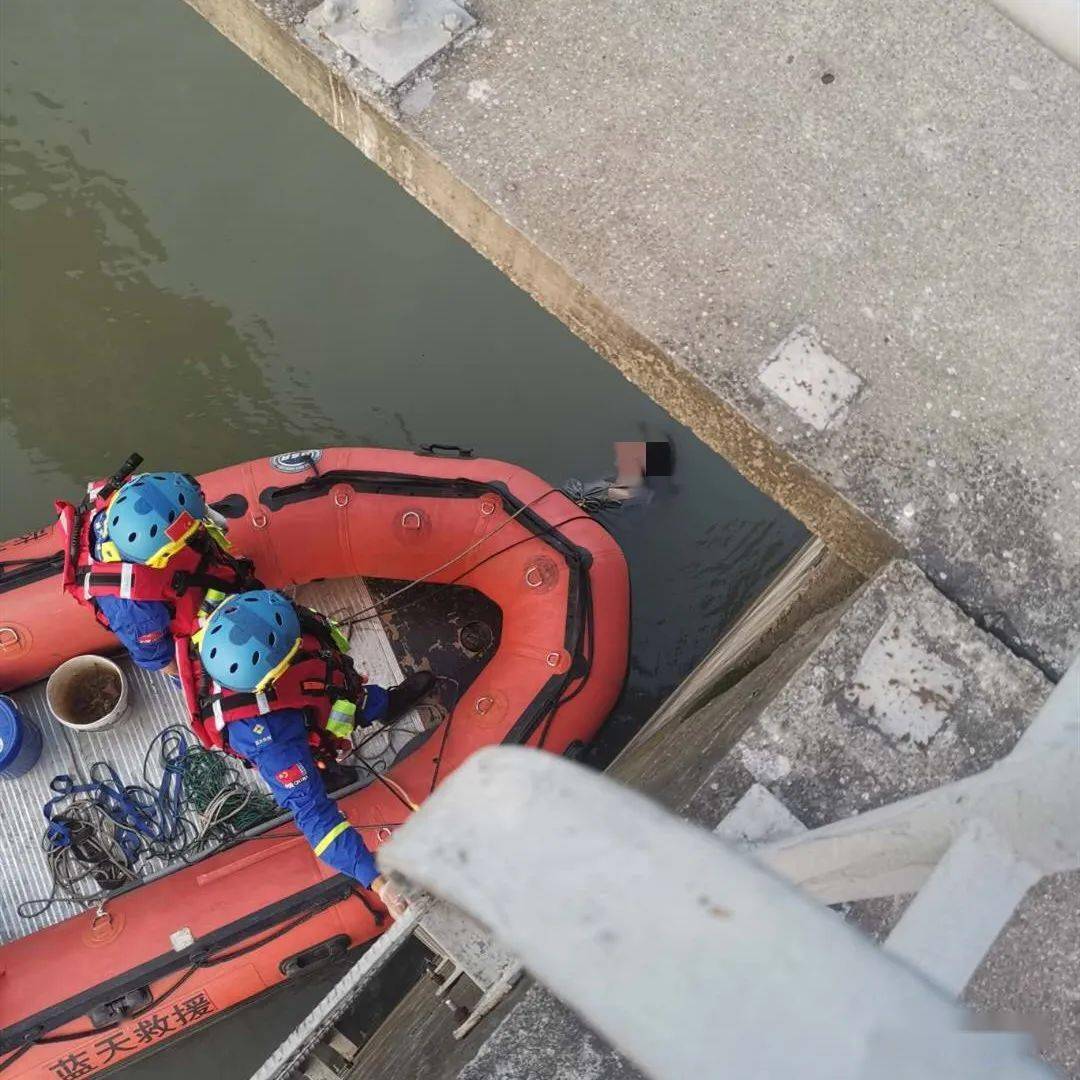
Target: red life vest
[(319, 677), (182, 584)]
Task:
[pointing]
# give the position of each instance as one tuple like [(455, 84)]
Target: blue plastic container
[(20, 741)]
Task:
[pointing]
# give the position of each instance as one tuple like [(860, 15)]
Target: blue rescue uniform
[(277, 745), (141, 625)]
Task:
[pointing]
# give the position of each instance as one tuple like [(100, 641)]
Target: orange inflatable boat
[(171, 953)]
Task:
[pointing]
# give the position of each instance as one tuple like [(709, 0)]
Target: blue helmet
[(249, 640), (153, 515)]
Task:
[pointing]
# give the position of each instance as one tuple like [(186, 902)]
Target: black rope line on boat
[(387, 728), (209, 961), (375, 607), (589, 631), (442, 751), (376, 610), (395, 789), (398, 792)]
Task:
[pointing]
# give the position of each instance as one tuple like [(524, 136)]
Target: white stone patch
[(181, 939), (905, 690), (384, 42), (765, 766), (479, 90), (759, 817), (811, 382)]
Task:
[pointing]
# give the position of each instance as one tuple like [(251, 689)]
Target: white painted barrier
[(1056, 23), (687, 956)]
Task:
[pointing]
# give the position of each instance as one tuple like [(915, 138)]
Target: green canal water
[(194, 266)]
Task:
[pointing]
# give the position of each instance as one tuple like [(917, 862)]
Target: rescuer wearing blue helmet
[(277, 679), (150, 560)]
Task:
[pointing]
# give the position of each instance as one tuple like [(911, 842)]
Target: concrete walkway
[(837, 238)]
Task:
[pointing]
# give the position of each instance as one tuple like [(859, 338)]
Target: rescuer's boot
[(407, 693)]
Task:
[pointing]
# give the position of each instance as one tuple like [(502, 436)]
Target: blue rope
[(148, 817)]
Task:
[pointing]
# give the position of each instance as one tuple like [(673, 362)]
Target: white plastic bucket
[(78, 685)]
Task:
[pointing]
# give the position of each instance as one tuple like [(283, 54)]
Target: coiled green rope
[(218, 800)]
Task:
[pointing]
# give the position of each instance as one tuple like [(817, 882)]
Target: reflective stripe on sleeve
[(342, 718), (331, 836)]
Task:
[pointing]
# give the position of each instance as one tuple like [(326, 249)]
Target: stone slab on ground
[(837, 238), (901, 694)]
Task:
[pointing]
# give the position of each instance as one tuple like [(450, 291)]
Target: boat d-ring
[(385, 833), (533, 577), (9, 638), (104, 928), (553, 659), (341, 498), (484, 704), (488, 507), (260, 521), (411, 516)]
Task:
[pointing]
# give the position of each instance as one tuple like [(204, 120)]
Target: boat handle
[(384, 834), (411, 515), (444, 450), (259, 521), (8, 642)]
